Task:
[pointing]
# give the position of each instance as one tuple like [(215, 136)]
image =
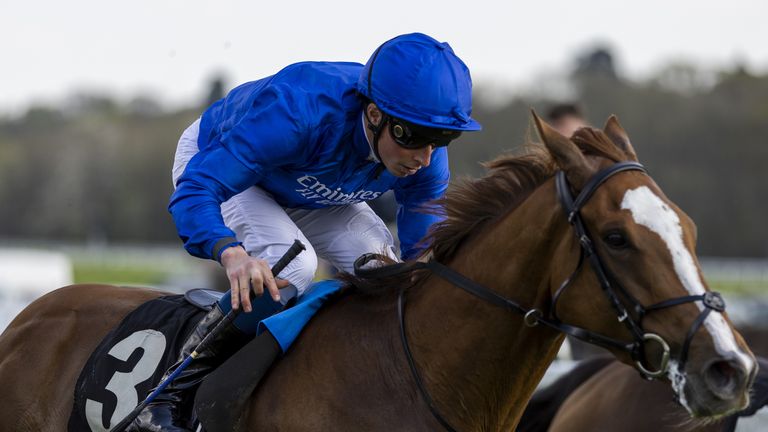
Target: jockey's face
[(399, 161)]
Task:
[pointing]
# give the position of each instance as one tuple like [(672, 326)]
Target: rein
[(533, 317)]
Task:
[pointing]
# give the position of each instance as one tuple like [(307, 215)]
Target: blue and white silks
[(298, 135)]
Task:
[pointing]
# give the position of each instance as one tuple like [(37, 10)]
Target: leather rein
[(533, 317)]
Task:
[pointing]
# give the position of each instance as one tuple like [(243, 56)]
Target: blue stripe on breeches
[(262, 307)]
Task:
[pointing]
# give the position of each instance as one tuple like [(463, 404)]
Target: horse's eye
[(616, 240)]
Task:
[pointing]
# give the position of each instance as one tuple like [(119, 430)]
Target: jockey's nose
[(424, 156)]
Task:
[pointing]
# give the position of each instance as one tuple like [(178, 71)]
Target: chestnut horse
[(589, 398), (507, 234)]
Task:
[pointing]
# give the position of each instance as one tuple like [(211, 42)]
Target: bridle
[(532, 317), (710, 300)]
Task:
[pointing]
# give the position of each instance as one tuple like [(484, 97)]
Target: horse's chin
[(699, 400)]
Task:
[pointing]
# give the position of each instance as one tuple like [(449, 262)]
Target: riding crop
[(294, 250)]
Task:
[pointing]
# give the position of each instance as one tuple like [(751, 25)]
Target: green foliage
[(92, 174)]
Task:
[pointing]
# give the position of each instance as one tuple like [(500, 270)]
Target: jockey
[(296, 155)]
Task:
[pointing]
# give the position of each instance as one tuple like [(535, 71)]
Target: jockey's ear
[(619, 137), (567, 156), (373, 113)]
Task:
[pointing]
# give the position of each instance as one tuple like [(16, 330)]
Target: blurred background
[(95, 95)]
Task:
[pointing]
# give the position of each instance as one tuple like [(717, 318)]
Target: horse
[(600, 394), (462, 343)]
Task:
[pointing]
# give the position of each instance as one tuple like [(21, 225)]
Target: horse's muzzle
[(722, 387)]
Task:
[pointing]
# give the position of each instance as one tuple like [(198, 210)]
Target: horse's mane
[(471, 204)]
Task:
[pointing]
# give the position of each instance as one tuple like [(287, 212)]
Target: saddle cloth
[(133, 357), (130, 361)]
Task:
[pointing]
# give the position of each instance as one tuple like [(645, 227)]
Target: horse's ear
[(619, 137), (567, 156)]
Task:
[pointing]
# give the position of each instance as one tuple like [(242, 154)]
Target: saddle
[(133, 357)]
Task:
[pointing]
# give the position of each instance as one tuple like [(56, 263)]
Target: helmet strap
[(376, 129)]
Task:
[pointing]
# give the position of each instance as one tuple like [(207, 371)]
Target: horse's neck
[(480, 362)]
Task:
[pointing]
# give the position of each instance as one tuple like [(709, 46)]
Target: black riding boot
[(163, 413)]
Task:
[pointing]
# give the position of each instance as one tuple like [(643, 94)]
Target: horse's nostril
[(725, 378), (721, 373)]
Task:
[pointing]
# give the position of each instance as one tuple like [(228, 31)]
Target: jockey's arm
[(196, 209), (269, 136), (235, 157)]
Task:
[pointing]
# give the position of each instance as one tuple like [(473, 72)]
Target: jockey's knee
[(300, 273)]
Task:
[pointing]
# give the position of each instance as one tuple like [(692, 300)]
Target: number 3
[(123, 384)]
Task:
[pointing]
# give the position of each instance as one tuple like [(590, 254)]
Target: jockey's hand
[(245, 272)]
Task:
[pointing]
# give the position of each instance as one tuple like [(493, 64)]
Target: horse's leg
[(44, 349)]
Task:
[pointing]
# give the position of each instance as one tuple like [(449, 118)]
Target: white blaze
[(650, 211)]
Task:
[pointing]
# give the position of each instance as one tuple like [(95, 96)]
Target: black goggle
[(411, 136)]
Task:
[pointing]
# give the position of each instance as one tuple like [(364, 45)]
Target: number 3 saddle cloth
[(133, 357), (130, 361)]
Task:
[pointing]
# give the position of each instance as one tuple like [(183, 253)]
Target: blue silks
[(298, 135)]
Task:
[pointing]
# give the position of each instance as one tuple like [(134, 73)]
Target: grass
[(118, 274), (738, 287)]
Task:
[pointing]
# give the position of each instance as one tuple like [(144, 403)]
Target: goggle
[(412, 136)]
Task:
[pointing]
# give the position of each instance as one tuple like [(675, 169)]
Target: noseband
[(532, 317)]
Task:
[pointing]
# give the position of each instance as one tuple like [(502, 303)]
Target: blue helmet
[(420, 80)]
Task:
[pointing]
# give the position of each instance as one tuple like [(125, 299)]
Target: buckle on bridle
[(650, 374), (714, 300), (531, 318)]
